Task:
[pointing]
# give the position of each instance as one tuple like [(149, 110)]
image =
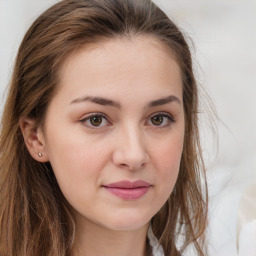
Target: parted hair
[(35, 218)]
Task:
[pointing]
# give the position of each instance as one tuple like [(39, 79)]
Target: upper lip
[(128, 184)]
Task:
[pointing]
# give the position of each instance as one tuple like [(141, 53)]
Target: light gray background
[(224, 35)]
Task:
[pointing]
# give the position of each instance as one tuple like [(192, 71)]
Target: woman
[(100, 151)]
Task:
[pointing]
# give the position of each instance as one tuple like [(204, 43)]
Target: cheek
[(167, 161), (74, 159), (69, 146), (77, 167)]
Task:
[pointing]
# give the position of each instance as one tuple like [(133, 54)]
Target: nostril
[(131, 158)]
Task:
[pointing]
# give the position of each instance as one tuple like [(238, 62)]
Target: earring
[(40, 154)]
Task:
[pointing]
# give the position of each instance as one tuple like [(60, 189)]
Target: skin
[(128, 144)]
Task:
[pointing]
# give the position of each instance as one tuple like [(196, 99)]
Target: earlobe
[(34, 139)]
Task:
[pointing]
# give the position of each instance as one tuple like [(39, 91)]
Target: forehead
[(114, 46), (121, 62)]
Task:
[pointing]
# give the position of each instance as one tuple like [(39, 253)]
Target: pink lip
[(128, 190)]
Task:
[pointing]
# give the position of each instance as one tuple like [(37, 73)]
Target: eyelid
[(88, 116), (164, 114)]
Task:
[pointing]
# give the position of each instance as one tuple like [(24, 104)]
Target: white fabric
[(246, 224), (157, 249), (247, 207), (247, 239)]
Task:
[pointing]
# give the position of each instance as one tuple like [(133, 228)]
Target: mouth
[(128, 190)]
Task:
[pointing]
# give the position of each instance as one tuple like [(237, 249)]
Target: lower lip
[(128, 193)]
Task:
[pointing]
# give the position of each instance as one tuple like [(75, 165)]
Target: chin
[(127, 222), (128, 226)]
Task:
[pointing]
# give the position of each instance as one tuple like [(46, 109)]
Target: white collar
[(157, 249)]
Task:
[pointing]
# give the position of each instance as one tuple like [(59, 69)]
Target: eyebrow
[(98, 100), (164, 101), (107, 102)]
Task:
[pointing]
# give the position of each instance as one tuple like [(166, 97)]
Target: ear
[(34, 139)]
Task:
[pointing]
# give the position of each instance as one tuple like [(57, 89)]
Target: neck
[(95, 240)]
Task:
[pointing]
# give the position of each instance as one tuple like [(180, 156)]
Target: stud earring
[(40, 154)]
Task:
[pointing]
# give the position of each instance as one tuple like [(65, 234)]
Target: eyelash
[(163, 115), (88, 118), (170, 119)]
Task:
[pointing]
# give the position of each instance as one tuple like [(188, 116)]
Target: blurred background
[(222, 35)]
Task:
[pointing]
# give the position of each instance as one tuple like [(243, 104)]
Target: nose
[(130, 150)]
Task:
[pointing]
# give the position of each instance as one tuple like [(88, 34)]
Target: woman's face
[(114, 131)]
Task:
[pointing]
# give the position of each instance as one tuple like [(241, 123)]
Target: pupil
[(96, 120), (157, 120)]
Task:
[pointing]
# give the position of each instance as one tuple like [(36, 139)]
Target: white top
[(246, 224), (157, 249), (247, 239)]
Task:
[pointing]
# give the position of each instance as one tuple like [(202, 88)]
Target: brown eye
[(96, 120), (157, 120), (161, 120)]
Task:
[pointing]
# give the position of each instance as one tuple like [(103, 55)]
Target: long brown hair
[(35, 218)]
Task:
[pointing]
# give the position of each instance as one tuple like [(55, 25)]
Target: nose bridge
[(134, 139), (131, 150)]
